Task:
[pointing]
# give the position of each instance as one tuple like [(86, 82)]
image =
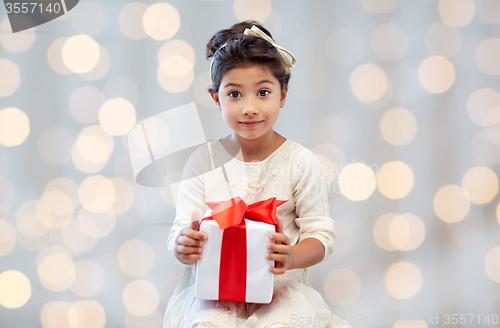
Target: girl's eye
[(268, 92), (232, 93)]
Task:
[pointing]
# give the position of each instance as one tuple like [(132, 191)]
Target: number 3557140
[(31, 7)]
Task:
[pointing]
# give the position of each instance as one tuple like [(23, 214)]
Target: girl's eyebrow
[(239, 85)]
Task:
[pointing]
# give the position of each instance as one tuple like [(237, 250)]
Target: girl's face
[(250, 98)]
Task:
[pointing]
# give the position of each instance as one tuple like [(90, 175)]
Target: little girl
[(250, 75)]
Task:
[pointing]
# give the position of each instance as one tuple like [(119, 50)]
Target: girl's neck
[(249, 150)]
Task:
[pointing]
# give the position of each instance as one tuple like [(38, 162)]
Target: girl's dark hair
[(242, 50)]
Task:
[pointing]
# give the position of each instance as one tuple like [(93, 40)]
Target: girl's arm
[(308, 252)]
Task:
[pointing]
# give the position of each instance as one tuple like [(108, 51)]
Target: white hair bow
[(255, 31)]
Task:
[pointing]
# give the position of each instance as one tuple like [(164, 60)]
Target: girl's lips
[(251, 124)]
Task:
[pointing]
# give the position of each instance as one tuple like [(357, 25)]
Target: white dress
[(292, 172)]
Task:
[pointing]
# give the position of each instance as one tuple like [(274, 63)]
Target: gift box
[(233, 266)]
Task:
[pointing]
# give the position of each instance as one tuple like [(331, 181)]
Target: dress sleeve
[(310, 195), (191, 195)]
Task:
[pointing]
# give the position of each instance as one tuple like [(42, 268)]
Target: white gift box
[(254, 286)]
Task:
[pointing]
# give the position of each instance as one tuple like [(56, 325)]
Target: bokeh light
[(398, 126), (451, 203), (7, 237), (488, 11), (56, 271), (483, 107), (101, 68), (80, 53), (436, 74), (55, 315), (481, 184), (86, 314), (54, 146), (368, 82), (97, 194), (92, 149), (7, 195), (498, 213), (161, 21), (457, 13), (30, 221), (97, 225), (395, 180), (58, 202), (200, 86), (117, 117), (141, 298), (404, 232), (332, 158), (55, 56), (390, 42), (492, 264), (15, 289), (356, 181), (76, 239), (130, 20), (484, 151), (258, 10), (379, 6), (135, 257), (175, 74), (10, 79), (442, 40), (177, 48), (342, 287), (403, 280), (488, 56), (124, 195), (14, 124), (89, 278), (16, 43), (274, 25)]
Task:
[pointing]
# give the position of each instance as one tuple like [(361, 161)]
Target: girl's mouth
[(249, 125)]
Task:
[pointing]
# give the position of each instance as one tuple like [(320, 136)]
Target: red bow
[(231, 212)]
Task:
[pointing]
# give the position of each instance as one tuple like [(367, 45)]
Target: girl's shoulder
[(300, 153)]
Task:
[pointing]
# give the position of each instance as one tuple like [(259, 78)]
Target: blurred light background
[(400, 100)]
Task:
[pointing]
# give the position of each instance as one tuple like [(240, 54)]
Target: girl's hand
[(189, 243), (283, 254)]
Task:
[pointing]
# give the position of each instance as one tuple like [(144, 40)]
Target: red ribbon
[(230, 215)]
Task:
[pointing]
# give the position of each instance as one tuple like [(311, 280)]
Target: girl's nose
[(249, 108)]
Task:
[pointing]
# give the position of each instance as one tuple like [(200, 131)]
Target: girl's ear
[(215, 97), (283, 95)]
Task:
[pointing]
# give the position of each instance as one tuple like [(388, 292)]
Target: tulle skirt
[(294, 304)]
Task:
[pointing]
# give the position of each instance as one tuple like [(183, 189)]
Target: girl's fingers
[(195, 220), (181, 249), (277, 270), (279, 237), (277, 248), (277, 257), (187, 258), (193, 234), (186, 241), (279, 224)]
